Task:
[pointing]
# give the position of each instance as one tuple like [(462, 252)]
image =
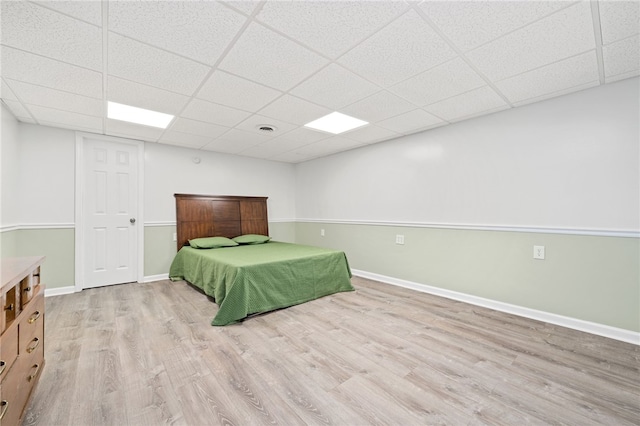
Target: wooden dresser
[(22, 338)]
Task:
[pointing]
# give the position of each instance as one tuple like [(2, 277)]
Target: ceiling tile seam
[(553, 94), (623, 39), (480, 114), (546, 65), (331, 60), (213, 69), (597, 32), (59, 12), (29, 52), (105, 63), (569, 5), (359, 42), (456, 49), (24, 105), (7, 80), (229, 5)]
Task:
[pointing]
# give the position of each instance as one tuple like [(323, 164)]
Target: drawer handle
[(34, 317), (4, 404), (9, 307), (33, 376), (27, 289), (3, 365), (33, 348)]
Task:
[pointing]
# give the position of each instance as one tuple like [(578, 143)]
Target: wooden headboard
[(219, 215)]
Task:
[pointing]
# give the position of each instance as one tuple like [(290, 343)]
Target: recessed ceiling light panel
[(336, 123), (137, 115)]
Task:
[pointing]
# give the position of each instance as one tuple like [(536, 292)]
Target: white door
[(109, 212)]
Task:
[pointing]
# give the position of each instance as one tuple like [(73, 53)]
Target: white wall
[(9, 210), (170, 170), (47, 175), (41, 175), (571, 162)]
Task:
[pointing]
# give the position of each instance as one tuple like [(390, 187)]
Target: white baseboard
[(573, 323), (150, 278), (59, 291)]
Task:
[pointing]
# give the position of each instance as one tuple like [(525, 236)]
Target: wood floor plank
[(146, 354)]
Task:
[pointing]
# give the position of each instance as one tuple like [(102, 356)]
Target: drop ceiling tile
[(301, 136), (292, 140), (410, 121), (621, 57), (335, 87), (572, 72), (268, 58), (143, 96), (88, 11), (467, 104), (50, 115), (33, 28), (446, 80), (6, 92), (329, 27), (378, 107), (17, 109), (252, 123), (327, 147), (471, 23), (133, 131), (558, 93), (624, 76), (370, 133), (406, 47), (235, 141), (213, 113), (200, 30), (23, 66), (294, 110), (559, 36), (51, 98), (184, 139), (236, 92), (619, 19), (148, 65), (184, 125)]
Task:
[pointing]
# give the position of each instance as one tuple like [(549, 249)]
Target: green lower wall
[(590, 278), (8, 244), (57, 245)]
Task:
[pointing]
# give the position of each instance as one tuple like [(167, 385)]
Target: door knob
[(132, 220)]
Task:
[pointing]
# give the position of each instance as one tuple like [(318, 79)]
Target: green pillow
[(251, 239), (212, 242)]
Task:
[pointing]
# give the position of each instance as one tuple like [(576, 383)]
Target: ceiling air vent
[(267, 128)]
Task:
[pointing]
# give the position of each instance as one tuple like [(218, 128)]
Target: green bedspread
[(258, 278)]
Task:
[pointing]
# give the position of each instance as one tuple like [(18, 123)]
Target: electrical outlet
[(538, 252), (175, 237), (400, 239), (322, 232)]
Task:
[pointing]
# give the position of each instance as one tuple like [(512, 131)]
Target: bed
[(250, 279)]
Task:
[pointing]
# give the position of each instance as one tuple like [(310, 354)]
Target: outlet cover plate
[(538, 252)]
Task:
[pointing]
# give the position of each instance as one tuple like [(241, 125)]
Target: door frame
[(80, 219)]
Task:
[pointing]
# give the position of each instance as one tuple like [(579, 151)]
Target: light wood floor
[(145, 354)]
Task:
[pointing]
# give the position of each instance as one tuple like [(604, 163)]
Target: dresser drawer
[(29, 285), (10, 306), (32, 324), (8, 350)]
